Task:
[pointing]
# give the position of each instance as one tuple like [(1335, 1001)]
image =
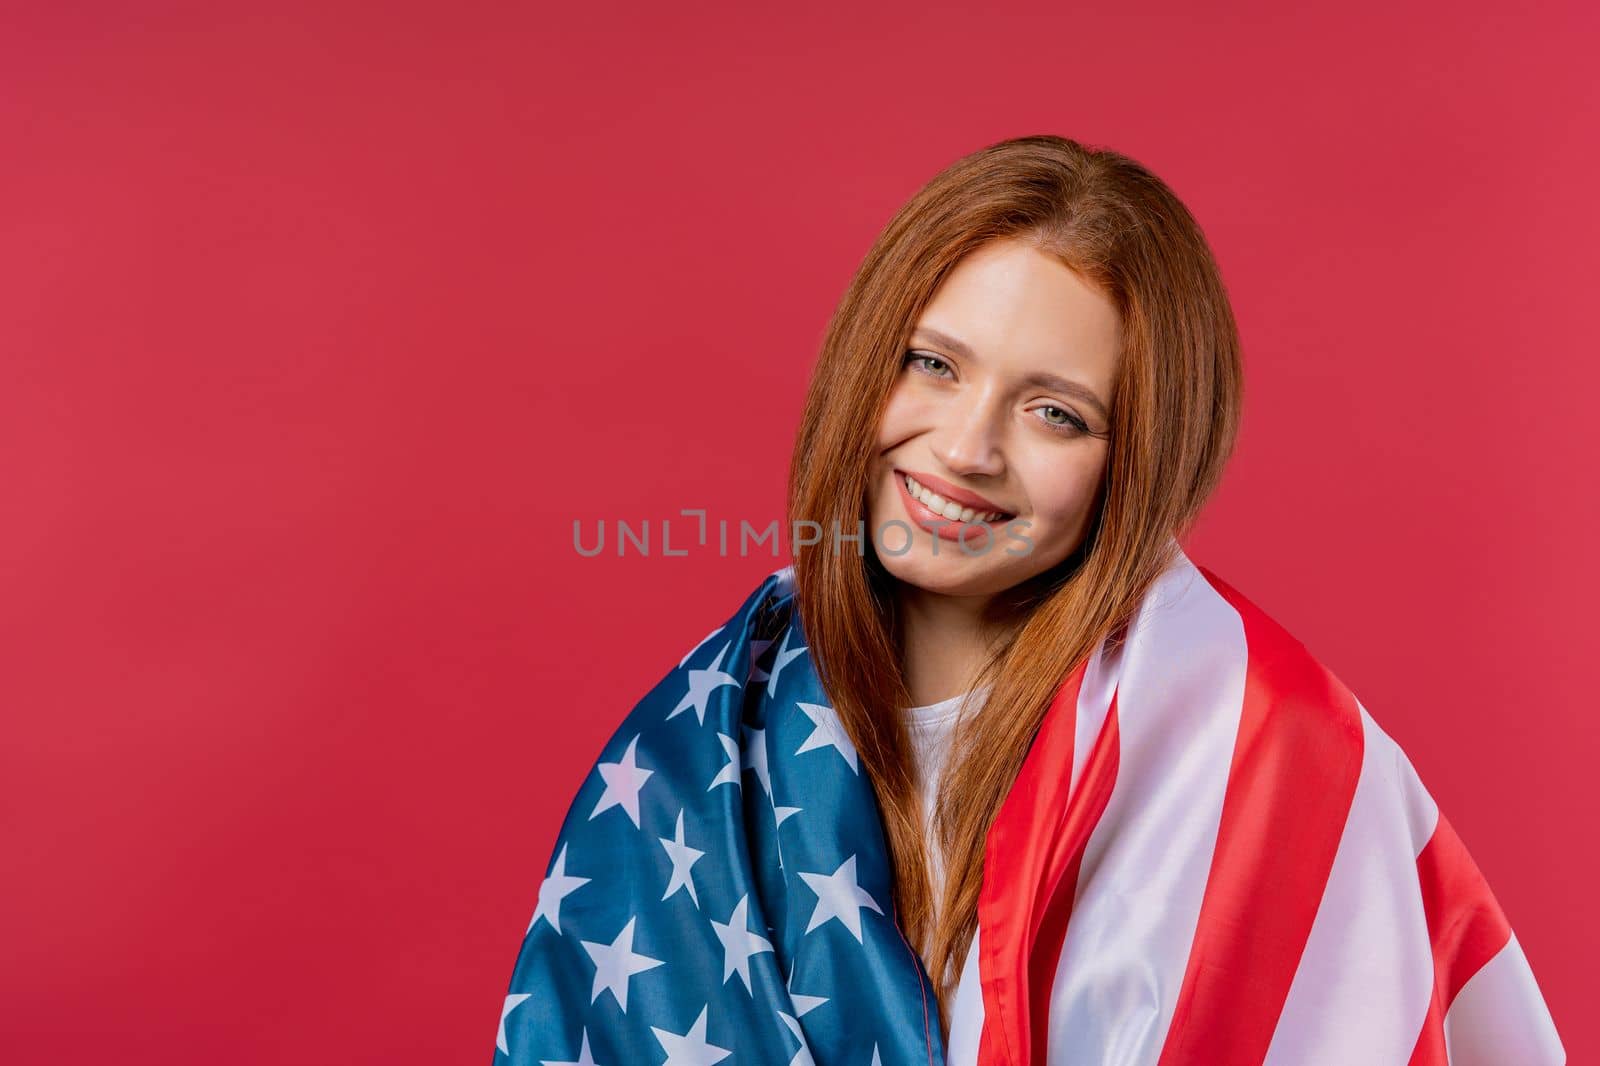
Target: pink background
[(319, 324)]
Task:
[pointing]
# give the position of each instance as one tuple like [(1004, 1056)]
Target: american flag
[(719, 890), (1239, 867)]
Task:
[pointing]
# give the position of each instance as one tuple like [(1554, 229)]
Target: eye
[(926, 363), (1067, 422)]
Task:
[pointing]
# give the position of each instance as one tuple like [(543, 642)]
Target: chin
[(951, 573)]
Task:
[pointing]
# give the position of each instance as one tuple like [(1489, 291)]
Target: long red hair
[(1174, 417)]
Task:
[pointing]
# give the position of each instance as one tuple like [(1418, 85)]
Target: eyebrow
[(1041, 378)]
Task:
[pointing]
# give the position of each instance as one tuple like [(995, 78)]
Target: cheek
[(903, 414), (1064, 492)]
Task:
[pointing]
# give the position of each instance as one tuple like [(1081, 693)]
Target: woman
[(993, 773)]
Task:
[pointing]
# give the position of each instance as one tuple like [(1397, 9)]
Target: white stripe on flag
[(1364, 981), (966, 1013), (1100, 680), (1499, 1016), (1145, 865)]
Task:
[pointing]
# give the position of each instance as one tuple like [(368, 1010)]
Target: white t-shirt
[(931, 727)]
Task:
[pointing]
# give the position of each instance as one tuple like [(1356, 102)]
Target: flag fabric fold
[(1212, 855)]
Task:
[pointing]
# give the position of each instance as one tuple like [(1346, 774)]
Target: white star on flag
[(839, 895), (623, 780), (556, 887), (755, 746), (511, 1004), (702, 683), (691, 1048), (731, 771), (780, 813), (585, 1057), (739, 943), (802, 1055), (827, 732), (615, 963), (803, 1005), (785, 656), (683, 859)]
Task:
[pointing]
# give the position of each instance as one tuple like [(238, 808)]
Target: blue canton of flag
[(720, 889)]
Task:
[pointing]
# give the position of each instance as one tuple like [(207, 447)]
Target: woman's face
[(1012, 360)]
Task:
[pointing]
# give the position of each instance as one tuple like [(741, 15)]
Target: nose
[(971, 441)]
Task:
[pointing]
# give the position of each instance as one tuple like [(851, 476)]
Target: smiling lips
[(941, 508), (941, 497)]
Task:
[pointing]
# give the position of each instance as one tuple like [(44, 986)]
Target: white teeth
[(948, 508)]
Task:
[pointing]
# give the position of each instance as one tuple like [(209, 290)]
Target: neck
[(944, 641)]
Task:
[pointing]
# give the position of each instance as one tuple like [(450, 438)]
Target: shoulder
[(1285, 687), (682, 735), (1298, 718), (721, 661), (766, 610)]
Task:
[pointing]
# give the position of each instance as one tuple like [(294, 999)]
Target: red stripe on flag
[(1099, 774), (1295, 765), (1466, 928), (1430, 1049), (1031, 856)]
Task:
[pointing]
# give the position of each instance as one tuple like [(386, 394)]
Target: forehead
[(1020, 309)]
